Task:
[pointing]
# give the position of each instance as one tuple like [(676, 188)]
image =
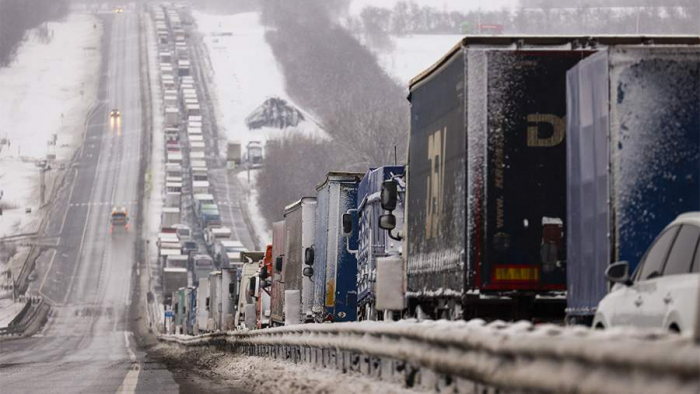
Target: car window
[(696, 264), (654, 259), (681, 255)]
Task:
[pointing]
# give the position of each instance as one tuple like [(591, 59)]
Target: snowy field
[(46, 92), (245, 74), (414, 54)]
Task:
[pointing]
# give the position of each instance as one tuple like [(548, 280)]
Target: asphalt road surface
[(87, 345)]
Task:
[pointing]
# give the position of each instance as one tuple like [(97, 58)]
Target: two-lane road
[(87, 345)]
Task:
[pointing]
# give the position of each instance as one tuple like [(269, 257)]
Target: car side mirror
[(347, 224), (308, 272), (387, 222), (619, 272), (389, 195), (309, 256)]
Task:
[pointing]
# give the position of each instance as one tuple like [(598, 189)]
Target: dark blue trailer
[(373, 242), (633, 157), (335, 266)]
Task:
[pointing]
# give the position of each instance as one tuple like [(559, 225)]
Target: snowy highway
[(87, 344)]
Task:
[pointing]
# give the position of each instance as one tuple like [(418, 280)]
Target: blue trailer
[(373, 242), (633, 148), (335, 266)]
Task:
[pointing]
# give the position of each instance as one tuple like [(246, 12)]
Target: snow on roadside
[(414, 54), (259, 224), (265, 375), (245, 74), (47, 91)]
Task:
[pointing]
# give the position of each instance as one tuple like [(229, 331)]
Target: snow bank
[(46, 92), (259, 224), (245, 74), (414, 54)]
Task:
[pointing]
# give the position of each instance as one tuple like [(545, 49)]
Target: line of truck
[(533, 164)]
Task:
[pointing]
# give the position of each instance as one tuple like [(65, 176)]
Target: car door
[(662, 305), (630, 308)]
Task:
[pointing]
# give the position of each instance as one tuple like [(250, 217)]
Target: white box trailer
[(191, 101), (196, 119), (202, 304), (165, 57), (197, 156), (167, 82), (194, 132), (173, 187), (197, 146), (200, 174), (173, 170), (214, 301), (169, 217), (194, 124), (200, 187), (192, 110), (174, 158), (170, 92), (170, 101), (196, 138), (173, 279), (198, 164), (172, 116), (173, 199)]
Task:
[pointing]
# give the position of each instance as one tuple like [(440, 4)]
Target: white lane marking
[(79, 257), (46, 275), (70, 196), (131, 379)]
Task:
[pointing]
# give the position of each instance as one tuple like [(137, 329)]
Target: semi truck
[(333, 262), (373, 241), (300, 223), (173, 279), (279, 234), (633, 157), (233, 152), (486, 186)]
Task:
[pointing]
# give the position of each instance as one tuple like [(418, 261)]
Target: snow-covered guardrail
[(471, 355)]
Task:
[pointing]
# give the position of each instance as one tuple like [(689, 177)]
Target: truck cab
[(119, 218)]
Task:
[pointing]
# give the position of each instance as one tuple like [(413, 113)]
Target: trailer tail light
[(516, 273)]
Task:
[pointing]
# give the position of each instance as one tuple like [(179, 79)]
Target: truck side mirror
[(619, 273), (347, 224), (389, 195), (263, 273), (308, 272), (309, 256), (387, 222), (278, 263)]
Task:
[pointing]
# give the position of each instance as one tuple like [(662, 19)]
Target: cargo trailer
[(334, 265), (300, 223), (633, 157), (203, 303), (486, 186)]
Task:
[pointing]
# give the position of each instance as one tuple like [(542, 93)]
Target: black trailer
[(487, 179)]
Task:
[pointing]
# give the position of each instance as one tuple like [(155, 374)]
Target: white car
[(663, 292)]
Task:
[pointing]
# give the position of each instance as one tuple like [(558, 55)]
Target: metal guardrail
[(27, 318), (464, 356)]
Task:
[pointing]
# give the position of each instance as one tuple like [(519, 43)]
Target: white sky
[(451, 5)]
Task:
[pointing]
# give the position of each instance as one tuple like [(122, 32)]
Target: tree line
[(330, 74), (17, 17), (534, 17)]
